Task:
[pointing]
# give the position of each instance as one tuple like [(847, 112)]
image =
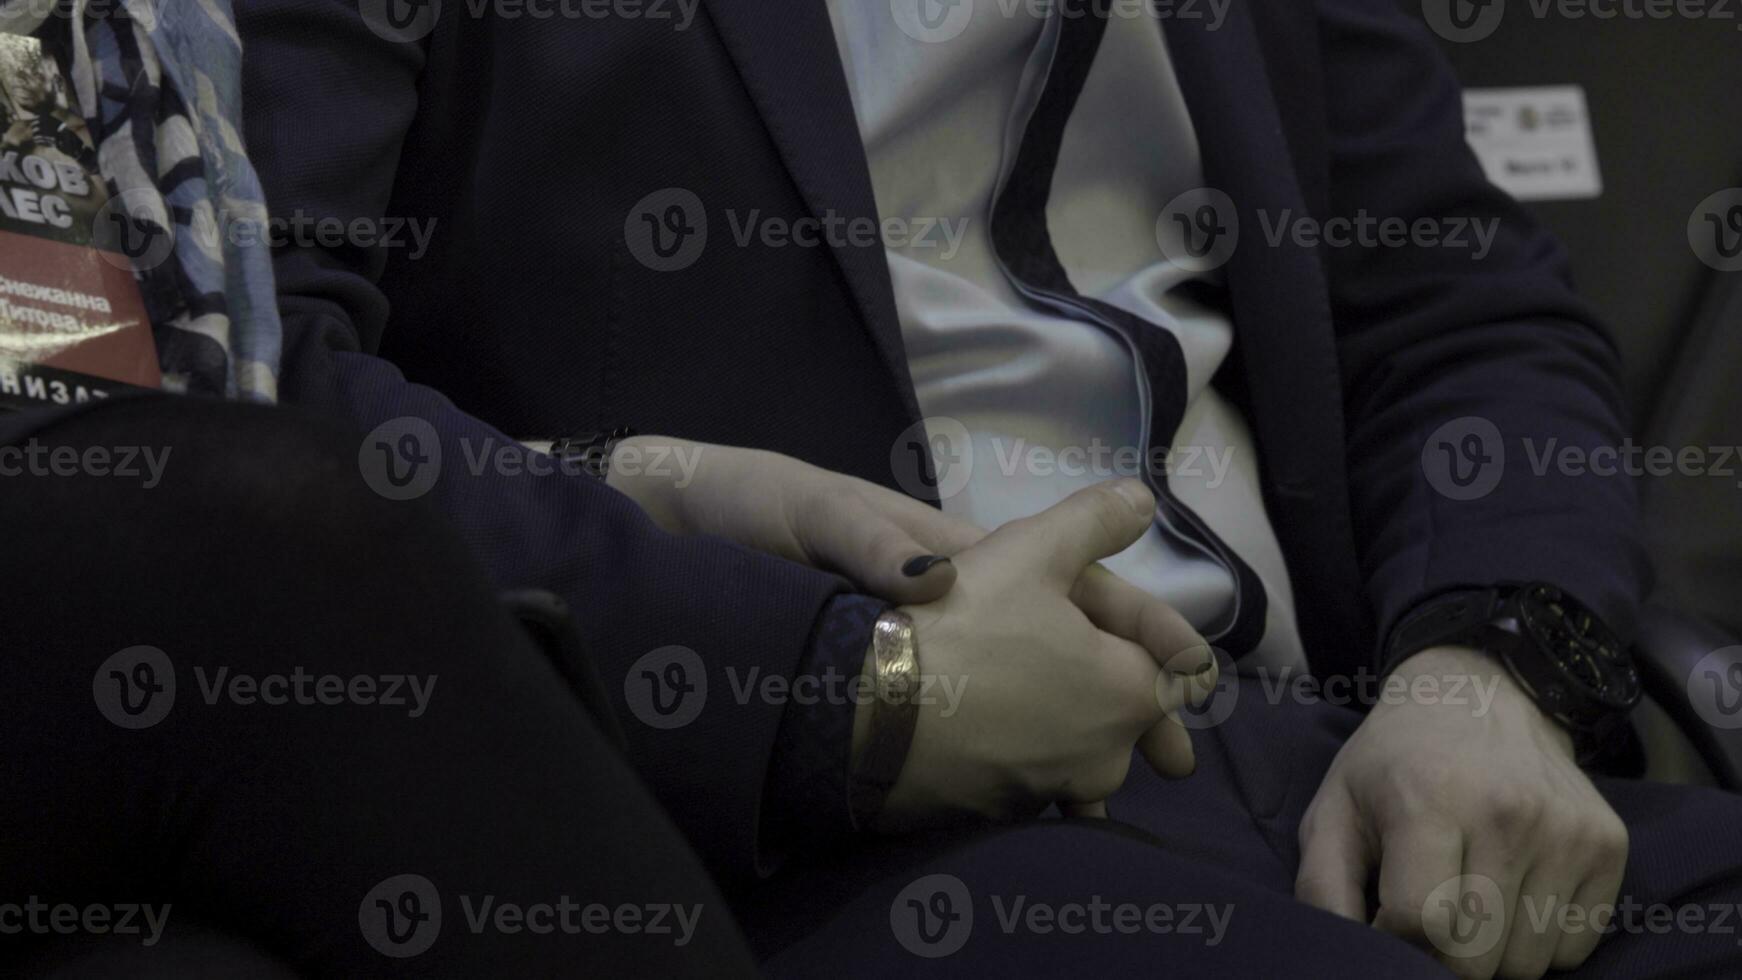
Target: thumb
[(1091, 524), (843, 533)]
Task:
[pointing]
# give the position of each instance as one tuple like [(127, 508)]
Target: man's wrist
[(1449, 660), (1423, 626), (1445, 668), (1556, 650)]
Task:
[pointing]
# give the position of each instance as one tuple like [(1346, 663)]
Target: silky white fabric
[(1051, 405)]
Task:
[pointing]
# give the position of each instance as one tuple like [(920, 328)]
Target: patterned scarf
[(160, 88)]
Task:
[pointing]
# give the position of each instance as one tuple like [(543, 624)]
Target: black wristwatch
[(1564, 656)]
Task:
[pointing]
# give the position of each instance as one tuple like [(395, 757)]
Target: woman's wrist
[(884, 724)]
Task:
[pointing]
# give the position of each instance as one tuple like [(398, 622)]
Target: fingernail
[(916, 567), (1135, 494)]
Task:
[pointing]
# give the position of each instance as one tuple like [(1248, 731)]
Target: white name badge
[(1535, 143)]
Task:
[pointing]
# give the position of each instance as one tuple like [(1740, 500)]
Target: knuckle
[(1181, 647), (1111, 514), (1408, 795), (1170, 698), (1611, 841), (803, 516), (1514, 809), (1435, 922), (889, 546), (1125, 682), (1025, 526)]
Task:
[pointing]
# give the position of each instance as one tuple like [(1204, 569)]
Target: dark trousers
[(338, 748), (1219, 847)]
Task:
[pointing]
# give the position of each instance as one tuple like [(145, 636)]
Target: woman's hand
[(884, 542), (1062, 657), (1053, 693)]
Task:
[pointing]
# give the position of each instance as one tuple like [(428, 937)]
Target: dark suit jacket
[(529, 142)]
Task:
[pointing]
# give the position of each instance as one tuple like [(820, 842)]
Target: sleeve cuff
[(806, 800)]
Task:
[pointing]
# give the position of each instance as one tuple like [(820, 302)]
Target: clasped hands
[(1064, 668)]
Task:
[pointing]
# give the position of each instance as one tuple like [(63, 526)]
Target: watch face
[(1587, 652)]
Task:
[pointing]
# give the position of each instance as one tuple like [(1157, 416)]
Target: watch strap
[(1457, 615), (1469, 617)]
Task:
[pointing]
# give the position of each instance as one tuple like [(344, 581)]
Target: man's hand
[(1425, 793), (1053, 697)]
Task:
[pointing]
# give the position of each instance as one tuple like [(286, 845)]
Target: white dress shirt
[(1050, 405)]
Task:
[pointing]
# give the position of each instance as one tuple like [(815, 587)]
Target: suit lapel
[(1282, 313), (787, 56), (1278, 294)]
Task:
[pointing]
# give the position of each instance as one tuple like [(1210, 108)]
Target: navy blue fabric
[(633, 589), (531, 143), (467, 759), (807, 782), (1227, 835)]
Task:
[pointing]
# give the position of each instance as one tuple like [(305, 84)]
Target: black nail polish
[(924, 563)]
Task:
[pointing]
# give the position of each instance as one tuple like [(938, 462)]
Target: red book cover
[(72, 325)]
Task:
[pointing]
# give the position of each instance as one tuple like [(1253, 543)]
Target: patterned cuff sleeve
[(806, 799)]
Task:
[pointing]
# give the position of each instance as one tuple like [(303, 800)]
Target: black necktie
[(1024, 247)]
